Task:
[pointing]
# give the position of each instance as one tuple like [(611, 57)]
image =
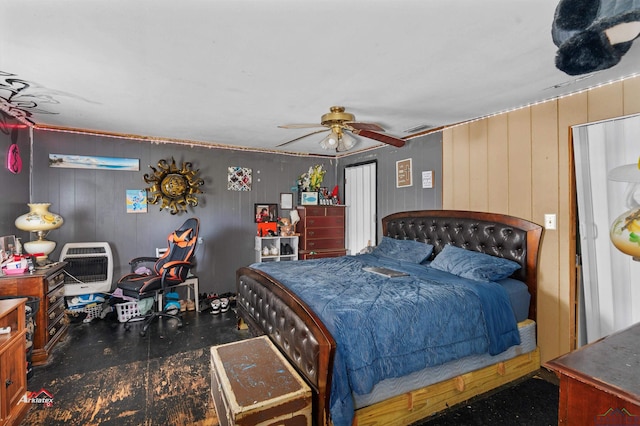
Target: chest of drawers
[(48, 286), (13, 372), (321, 230)]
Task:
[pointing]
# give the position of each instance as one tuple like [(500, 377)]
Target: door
[(611, 295), (360, 200)]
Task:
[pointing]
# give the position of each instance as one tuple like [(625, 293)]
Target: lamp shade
[(346, 142), (330, 141), (39, 218), (626, 173)]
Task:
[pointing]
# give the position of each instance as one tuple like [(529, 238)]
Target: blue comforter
[(390, 327)]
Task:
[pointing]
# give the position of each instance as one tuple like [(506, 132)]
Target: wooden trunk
[(253, 384)]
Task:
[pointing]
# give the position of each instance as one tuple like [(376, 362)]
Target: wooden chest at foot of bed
[(253, 384)]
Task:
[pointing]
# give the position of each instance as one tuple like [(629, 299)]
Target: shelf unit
[(278, 242)]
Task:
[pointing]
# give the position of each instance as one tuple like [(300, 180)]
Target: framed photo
[(286, 201), (403, 173), (309, 198), (266, 213), (93, 162), (136, 200)]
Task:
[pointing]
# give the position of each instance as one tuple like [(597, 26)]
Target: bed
[(287, 302)]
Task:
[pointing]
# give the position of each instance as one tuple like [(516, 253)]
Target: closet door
[(360, 199)]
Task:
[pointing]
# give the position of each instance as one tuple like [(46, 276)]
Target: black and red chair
[(169, 270)]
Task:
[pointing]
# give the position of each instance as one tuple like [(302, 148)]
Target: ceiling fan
[(337, 121)]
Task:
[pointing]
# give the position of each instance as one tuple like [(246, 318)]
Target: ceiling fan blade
[(391, 140), (303, 136), (363, 126), (300, 126)]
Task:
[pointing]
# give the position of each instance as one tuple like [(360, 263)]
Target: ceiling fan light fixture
[(330, 141), (346, 142)]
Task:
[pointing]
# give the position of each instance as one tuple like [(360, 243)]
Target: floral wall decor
[(175, 187), (239, 179), (312, 179)]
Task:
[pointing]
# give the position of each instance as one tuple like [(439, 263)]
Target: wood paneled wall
[(520, 163)]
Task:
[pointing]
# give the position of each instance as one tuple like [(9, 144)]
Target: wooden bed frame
[(270, 308)]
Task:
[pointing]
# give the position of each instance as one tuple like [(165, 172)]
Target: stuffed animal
[(286, 228), (593, 35)]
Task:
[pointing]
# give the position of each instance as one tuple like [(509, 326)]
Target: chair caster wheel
[(143, 333)]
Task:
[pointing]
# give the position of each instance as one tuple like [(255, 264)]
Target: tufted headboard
[(490, 233)]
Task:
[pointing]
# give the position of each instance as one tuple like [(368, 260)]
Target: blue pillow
[(473, 265), (407, 250)]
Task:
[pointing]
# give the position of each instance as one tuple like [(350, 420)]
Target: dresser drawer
[(56, 326), (322, 254), (56, 310), (55, 296), (324, 211), (54, 281), (322, 244), (313, 233), (324, 221)]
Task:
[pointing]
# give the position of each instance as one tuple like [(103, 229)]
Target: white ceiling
[(229, 72)]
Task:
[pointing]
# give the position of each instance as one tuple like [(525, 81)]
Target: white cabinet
[(279, 249)]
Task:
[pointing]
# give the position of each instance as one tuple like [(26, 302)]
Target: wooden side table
[(13, 364), (600, 382), (48, 286)]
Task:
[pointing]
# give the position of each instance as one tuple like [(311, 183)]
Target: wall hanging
[(175, 187), (93, 162), (14, 162), (136, 201), (238, 179)]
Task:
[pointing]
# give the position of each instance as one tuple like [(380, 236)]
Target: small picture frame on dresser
[(309, 198)]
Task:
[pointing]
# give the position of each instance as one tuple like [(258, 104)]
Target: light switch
[(550, 221)]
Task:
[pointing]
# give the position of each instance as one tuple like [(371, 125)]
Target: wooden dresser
[(600, 382), (48, 286), (321, 230), (13, 364)]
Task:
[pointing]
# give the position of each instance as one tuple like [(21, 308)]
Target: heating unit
[(91, 264)]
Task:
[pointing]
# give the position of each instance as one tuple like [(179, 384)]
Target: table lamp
[(625, 229), (39, 220)]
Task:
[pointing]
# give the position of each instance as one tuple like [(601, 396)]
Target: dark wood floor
[(91, 350), (105, 343)]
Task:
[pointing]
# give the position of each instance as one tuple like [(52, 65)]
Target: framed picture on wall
[(286, 201), (266, 213), (136, 200), (403, 173)]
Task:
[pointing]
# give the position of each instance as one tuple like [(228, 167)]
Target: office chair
[(171, 269)]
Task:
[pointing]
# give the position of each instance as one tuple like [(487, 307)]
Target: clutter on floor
[(116, 306)]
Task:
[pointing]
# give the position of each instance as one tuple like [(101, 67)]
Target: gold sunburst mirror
[(175, 187)]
